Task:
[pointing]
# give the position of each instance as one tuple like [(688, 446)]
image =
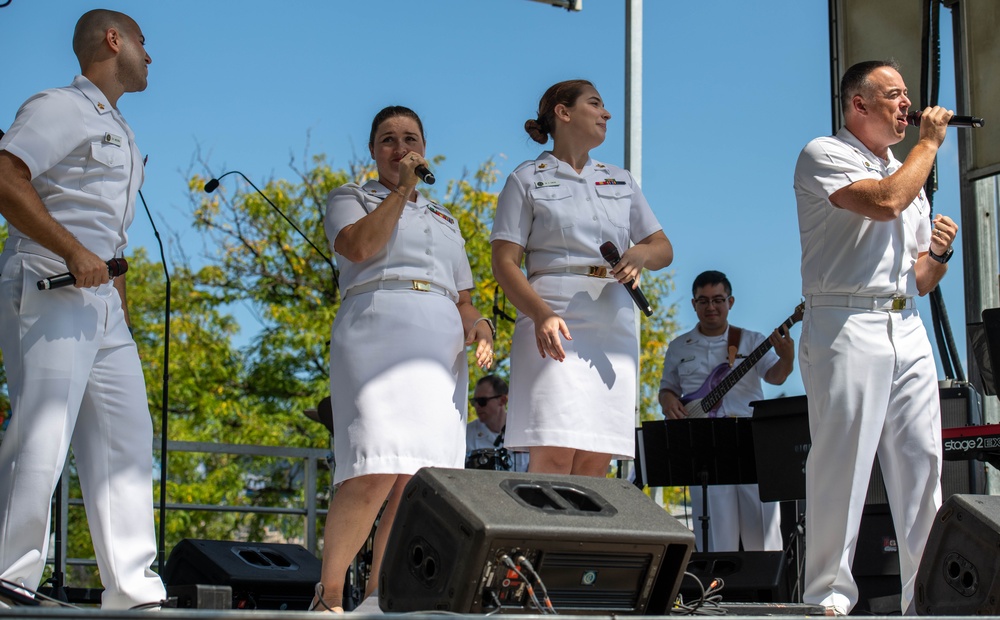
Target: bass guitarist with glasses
[(697, 363)]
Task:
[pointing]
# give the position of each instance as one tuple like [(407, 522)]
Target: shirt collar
[(891, 163), (374, 188), (547, 162), (92, 92)]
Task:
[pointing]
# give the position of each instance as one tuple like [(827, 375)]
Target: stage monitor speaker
[(598, 545), (262, 575), (959, 573), (748, 576)]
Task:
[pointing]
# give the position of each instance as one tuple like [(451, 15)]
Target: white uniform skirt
[(398, 384), (587, 401)]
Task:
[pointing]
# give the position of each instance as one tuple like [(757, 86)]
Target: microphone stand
[(161, 542), (213, 183)]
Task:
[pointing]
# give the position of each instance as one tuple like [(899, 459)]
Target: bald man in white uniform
[(868, 247), (69, 174)]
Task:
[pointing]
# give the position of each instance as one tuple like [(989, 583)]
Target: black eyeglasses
[(702, 302), (482, 400)]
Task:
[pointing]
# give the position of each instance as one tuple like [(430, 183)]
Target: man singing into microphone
[(869, 246), (69, 174)]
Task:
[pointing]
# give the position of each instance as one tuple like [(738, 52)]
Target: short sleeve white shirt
[(84, 164), (561, 218), (843, 252), (692, 357), (426, 243)]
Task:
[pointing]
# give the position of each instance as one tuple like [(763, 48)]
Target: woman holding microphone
[(398, 369), (575, 351)]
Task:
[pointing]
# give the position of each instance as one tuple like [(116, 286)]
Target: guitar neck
[(748, 363)]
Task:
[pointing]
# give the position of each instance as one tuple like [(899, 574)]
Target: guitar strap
[(735, 334)]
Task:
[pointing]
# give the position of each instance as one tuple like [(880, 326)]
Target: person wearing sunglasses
[(484, 436), (736, 512)]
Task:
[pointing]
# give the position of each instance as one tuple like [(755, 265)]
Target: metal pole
[(633, 88), (633, 145)]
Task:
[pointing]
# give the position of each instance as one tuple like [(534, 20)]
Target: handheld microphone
[(212, 184), (116, 267), (425, 175), (610, 254), (913, 118)]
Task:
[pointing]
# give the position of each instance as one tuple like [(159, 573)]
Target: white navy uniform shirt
[(561, 218), (843, 252), (691, 357), (84, 164), (425, 245)]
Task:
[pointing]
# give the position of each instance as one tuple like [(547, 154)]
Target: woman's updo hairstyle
[(565, 93), (392, 112)]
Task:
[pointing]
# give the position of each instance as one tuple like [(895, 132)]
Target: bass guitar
[(707, 398)]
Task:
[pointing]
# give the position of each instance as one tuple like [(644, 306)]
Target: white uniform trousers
[(74, 376), (736, 512), (872, 387)]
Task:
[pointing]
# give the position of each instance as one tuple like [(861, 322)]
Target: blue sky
[(732, 91)]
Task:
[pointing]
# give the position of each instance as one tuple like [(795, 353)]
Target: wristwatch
[(944, 258)]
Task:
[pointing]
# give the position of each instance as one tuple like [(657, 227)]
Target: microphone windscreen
[(610, 252), (117, 266), (425, 175), (211, 185)]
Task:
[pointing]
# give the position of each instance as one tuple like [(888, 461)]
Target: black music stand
[(781, 443), (700, 452)]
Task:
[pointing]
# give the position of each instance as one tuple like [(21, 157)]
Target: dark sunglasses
[(482, 400)]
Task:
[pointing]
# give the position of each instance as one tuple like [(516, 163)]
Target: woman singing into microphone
[(398, 371), (575, 352)]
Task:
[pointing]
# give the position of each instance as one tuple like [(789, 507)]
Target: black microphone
[(957, 120), (610, 254), (116, 267), (425, 175), (212, 184)]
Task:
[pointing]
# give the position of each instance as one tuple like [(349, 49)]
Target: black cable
[(164, 423), (496, 602), (952, 348), (527, 583), (524, 562), (930, 77), (214, 183), (708, 604), (498, 311), (939, 338), (33, 595), (57, 579)]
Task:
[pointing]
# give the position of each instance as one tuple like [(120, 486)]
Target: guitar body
[(692, 402)]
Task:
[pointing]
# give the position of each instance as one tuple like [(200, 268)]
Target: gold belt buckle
[(598, 272), (898, 303), (420, 285)]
